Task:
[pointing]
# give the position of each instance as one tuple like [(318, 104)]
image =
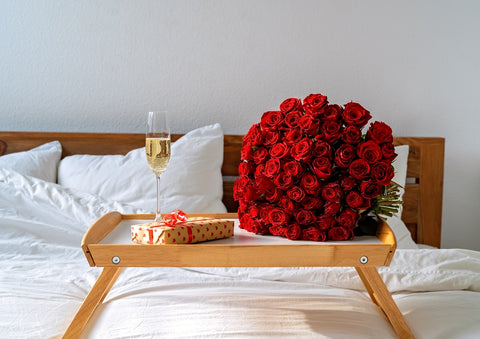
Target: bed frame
[(422, 211)]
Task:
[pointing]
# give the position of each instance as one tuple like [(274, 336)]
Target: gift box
[(191, 230)]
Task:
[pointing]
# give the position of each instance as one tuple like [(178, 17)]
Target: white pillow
[(40, 162), (192, 181), (402, 234), (400, 170)]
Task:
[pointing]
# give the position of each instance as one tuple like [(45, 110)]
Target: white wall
[(100, 65)]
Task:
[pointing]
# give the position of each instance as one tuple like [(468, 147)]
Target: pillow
[(402, 234), (192, 181), (400, 170), (40, 162)]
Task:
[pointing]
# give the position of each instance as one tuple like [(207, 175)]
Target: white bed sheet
[(44, 278)]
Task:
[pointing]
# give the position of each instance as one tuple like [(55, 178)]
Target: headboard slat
[(410, 203)]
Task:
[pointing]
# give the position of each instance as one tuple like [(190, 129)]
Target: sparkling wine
[(158, 154)]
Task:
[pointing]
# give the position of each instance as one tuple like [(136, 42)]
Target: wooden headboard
[(422, 211)]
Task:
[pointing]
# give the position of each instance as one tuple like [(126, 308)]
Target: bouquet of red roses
[(309, 172)]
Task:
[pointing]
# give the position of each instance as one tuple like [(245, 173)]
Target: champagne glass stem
[(158, 217)]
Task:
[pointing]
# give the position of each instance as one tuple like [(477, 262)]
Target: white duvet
[(44, 278)]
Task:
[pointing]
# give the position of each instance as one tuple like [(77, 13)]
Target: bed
[(53, 186)]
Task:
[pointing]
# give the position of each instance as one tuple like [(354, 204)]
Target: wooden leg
[(382, 297), (94, 298)]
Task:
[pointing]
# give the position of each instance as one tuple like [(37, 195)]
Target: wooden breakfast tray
[(107, 244)]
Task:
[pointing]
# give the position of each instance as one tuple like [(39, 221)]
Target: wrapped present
[(177, 228)]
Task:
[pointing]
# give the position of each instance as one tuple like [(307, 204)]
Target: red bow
[(175, 217)]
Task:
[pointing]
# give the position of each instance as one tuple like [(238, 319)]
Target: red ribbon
[(174, 219)]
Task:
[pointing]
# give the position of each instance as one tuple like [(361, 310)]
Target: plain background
[(99, 66)]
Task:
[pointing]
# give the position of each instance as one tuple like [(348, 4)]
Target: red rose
[(245, 221), (291, 104), (310, 183), (310, 203), (239, 187), (325, 222), (287, 204), (283, 181), (332, 130), (344, 155), (347, 183), (254, 136), (302, 150), (244, 188), (388, 151), (339, 233), (258, 227), (379, 132), (359, 169), (314, 103), (352, 135), (370, 189), (321, 149), (348, 218), (291, 119), (279, 150), (355, 200), (293, 232), (272, 167), (247, 152), (274, 195), (259, 171), (293, 168), (254, 211), (355, 114), (370, 152), (271, 137), (313, 234), (278, 216), (263, 184), (260, 155), (382, 172), (332, 208), (293, 136), (242, 207), (305, 217), (265, 211), (245, 169), (322, 168), (332, 192), (332, 112), (296, 193), (277, 230), (309, 124), (271, 120)]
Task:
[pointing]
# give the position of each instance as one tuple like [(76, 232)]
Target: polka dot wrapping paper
[(192, 230)]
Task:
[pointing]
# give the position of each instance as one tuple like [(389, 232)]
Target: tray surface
[(121, 236)]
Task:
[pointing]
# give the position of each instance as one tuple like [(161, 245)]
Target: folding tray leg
[(94, 298), (381, 296)]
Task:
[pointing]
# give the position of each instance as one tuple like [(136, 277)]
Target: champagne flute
[(157, 148)]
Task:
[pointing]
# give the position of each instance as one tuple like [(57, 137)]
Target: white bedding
[(44, 278)]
